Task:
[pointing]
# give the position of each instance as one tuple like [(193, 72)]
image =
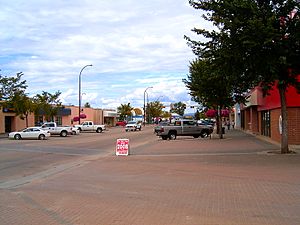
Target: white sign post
[(122, 147)]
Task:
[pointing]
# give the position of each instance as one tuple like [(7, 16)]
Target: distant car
[(133, 126), (29, 133), (121, 123), (206, 122)]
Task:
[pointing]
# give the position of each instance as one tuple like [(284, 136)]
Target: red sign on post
[(122, 147)]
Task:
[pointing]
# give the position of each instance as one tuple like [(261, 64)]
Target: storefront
[(261, 115)]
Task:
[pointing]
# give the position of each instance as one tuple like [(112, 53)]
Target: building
[(65, 116), (261, 115)]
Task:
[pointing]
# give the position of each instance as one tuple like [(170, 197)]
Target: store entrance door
[(8, 123)]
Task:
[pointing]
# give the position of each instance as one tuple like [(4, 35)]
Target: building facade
[(10, 122), (261, 115)]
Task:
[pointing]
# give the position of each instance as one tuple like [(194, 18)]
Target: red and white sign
[(122, 147)]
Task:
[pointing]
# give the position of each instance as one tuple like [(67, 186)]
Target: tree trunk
[(26, 117), (284, 135)]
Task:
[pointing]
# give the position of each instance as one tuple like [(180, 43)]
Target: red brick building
[(262, 114)]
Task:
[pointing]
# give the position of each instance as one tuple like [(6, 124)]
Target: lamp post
[(145, 105), (79, 96)]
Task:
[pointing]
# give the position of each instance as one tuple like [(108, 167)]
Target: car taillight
[(162, 129)]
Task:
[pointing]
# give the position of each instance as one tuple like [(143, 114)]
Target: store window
[(58, 120), (38, 120), (266, 123)]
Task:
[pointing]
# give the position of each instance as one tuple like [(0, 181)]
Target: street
[(79, 180), (22, 158)]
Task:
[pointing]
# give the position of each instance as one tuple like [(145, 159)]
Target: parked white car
[(30, 133)]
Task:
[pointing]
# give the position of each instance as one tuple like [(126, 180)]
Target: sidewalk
[(236, 182), (4, 135)]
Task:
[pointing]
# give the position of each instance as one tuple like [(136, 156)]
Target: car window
[(90, 123), (188, 123)]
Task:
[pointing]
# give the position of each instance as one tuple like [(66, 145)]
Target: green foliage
[(23, 106), (258, 40), (87, 105), (124, 111), (10, 86), (254, 42), (154, 109), (178, 108), (47, 104)]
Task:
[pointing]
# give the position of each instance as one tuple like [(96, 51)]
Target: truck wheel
[(63, 133), (204, 134), (164, 137), (172, 135), (99, 130)]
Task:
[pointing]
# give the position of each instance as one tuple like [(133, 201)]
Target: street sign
[(122, 147)]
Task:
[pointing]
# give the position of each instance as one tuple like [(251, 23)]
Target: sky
[(132, 45)]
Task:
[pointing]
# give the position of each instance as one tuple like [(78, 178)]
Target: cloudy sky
[(132, 45)]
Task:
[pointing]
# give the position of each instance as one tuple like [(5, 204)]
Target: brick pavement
[(148, 188)]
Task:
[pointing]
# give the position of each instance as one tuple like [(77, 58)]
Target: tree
[(12, 95), (166, 114), (87, 105), (125, 110), (210, 86), (138, 111), (10, 86), (178, 108), (23, 106), (47, 104), (260, 40), (154, 109)]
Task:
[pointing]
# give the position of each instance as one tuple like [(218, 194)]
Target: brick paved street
[(224, 182)]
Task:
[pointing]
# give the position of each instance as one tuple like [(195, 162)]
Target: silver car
[(29, 133)]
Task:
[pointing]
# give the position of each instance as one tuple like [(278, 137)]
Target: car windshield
[(132, 122)]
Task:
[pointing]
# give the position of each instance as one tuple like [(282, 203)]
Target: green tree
[(260, 40), (210, 86), (87, 105), (10, 86), (166, 114), (154, 109), (125, 110), (47, 104), (12, 95), (23, 106), (179, 108)]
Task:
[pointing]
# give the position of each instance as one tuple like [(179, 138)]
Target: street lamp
[(145, 105), (79, 96)]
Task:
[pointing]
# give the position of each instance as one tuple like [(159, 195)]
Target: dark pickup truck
[(182, 128)]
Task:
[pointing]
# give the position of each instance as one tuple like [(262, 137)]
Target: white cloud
[(132, 45)]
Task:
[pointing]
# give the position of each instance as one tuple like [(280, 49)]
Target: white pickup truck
[(90, 126), (56, 130)]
